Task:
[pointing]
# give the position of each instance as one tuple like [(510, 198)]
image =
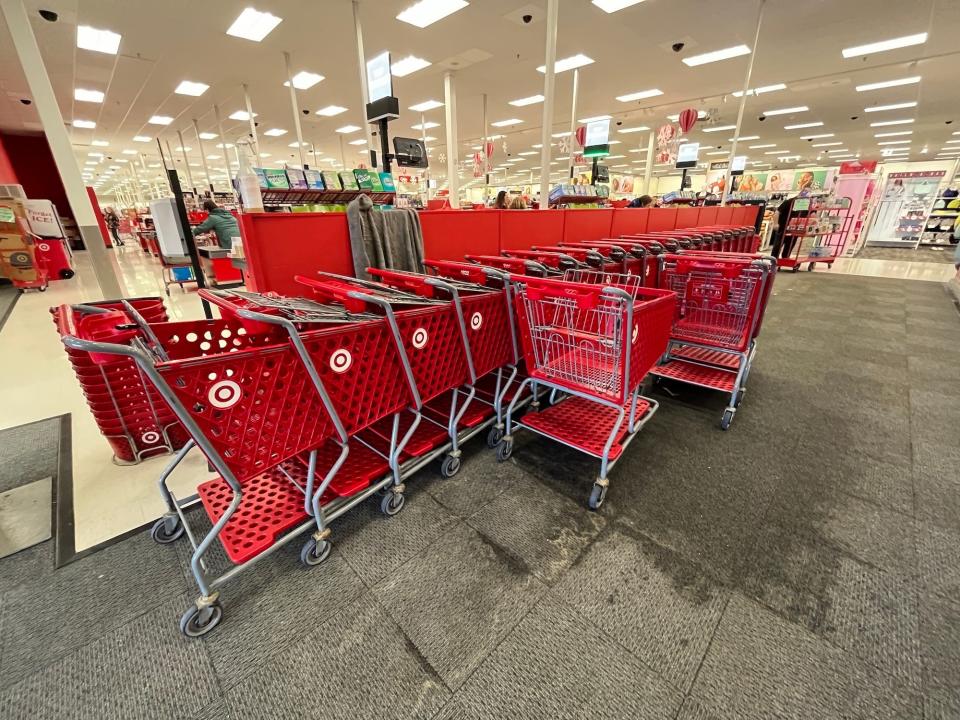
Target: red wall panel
[(587, 224), (34, 168), (708, 215), (662, 219), (522, 229), (629, 221), (687, 217), (725, 216), (451, 234), (749, 214)]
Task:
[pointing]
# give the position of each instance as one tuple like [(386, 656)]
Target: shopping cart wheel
[(392, 503), (726, 419), (196, 622), (311, 554), (810, 267), (504, 449), (597, 496), (494, 437), (162, 535), (450, 466)]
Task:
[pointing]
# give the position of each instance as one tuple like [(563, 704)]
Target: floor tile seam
[(703, 659), (881, 506)]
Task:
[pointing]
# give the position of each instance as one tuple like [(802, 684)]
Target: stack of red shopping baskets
[(131, 415)]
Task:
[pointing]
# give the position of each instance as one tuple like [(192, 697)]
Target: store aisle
[(803, 564), (938, 272)]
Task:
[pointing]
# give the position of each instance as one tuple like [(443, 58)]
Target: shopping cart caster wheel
[(504, 450), (494, 437), (810, 267), (597, 496), (311, 554), (160, 534), (392, 503), (796, 268), (726, 419), (196, 622), (450, 466)]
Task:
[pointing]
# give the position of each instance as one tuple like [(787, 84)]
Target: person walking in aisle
[(222, 222), (501, 202), (113, 222)]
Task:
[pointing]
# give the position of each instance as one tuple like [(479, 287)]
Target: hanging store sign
[(379, 80)]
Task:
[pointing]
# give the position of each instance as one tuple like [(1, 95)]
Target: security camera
[(762, 118), (26, 101), (948, 122), (678, 46), (854, 117), (305, 112), (527, 19), (619, 122), (49, 15)]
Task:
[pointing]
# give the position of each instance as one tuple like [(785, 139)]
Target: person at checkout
[(221, 222)]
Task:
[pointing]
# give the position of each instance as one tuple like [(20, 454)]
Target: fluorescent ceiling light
[(408, 65), (719, 128), (829, 144), (100, 143), (105, 41), (786, 111), (895, 142), (895, 106), (744, 138), (142, 138), (183, 149), (226, 145), (427, 12), (951, 142), (701, 114), (298, 144), (761, 90), (817, 137), (241, 115), (347, 129), (86, 124), (638, 128), (208, 136), (888, 84), (196, 89), (893, 134), (506, 123), (361, 141), (304, 80), (529, 152), (275, 132), (641, 95), (426, 105), (570, 63), (888, 123), (253, 25), (94, 154), (331, 110), (423, 126), (93, 96), (716, 55), (160, 120), (838, 150), (522, 102), (263, 155), (595, 118), (566, 133), (885, 45), (129, 152), (801, 126), (217, 157), (611, 6), (718, 152), (777, 152)]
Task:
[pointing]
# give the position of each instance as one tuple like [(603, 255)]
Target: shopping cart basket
[(721, 299), (593, 342), (634, 259), (558, 262)]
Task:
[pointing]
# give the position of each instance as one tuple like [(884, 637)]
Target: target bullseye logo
[(224, 394), (43, 246), (636, 332), (476, 320), (150, 437), (420, 338), (341, 360)]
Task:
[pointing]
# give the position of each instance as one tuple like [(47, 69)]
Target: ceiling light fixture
[(719, 152), (612, 6), (425, 126), (100, 143), (786, 111), (720, 128), (888, 84), (217, 157), (129, 152), (183, 149), (641, 95), (142, 138), (84, 124), (817, 137), (701, 115), (595, 118), (361, 141), (253, 25), (829, 144), (208, 136), (104, 41), (196, 89), (884, 45), (760, 147), (744, 138), (895, 142), (716, 55), (838, 151), (761, 90), (347, 129), (801, 126), (241, 115), (894, 106), (426, 105), (275, 132), (298, 144), (506, 123), (888, 123), (893, 134), (427, 12), (408, 65), (92, 96), (331, 110), (777, 152), (570, 63)]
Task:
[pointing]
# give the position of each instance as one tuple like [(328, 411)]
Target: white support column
[(450, 112), (423, 139), (648, 167), (296, 108), (343, 155), (573, 116), (486, 160), (253, 124), (223, 143), (548, 83), (203, 155), (743, 103), (186, 162), (364, 90), (45, 101)]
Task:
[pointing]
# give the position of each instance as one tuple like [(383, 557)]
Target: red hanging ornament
[(688, 118), (581, 135)]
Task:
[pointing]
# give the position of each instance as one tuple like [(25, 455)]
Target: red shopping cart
[(634, 258), (517, 266), (591, 336)]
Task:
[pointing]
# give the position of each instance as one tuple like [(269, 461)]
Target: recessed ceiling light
[(129, 152), (744, 138), (275, 132), (297, 144), (183, 149), (593, 119), (427, 12), (786, 111), (528, 152), (701, 115), (837, 151), (216, 157), (263, 155), (196, 89), (888, 84), (361, 141), (100, 143), (829, 144), (304, 80), (570, 63), (224, 145), (522, 102), (241, 115), (641, 95), (93, 96), (506, 123), (719, 128), (208, 136), (425, 126), (160, 120), (895, 106), (638, 128), (426, 105), (565, 133), (408, 65), (894, 142), (893, 134), (717, 55), (888, 123), (104, 41), (761, 90), (142, 138), (885, 45), (346, 129), (952, 142), (85, 124), (777, 152), (718, 152), (817, 137), (801, 126), (253, 25), (331, 110)]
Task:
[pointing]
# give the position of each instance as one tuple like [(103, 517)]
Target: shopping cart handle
[(584, 296), (412, 282), (336, 291), (458, 270)]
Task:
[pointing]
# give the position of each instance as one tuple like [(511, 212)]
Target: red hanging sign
[(688, 118), (581, 135)]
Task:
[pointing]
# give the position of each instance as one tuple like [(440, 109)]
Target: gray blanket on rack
[(387, 239)]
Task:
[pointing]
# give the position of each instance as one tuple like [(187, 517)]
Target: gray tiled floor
[(805, 564)]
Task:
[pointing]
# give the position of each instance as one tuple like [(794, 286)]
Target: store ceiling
[(494, 52)]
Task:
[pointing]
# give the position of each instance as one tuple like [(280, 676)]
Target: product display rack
[(823, 221), (276, 196), (938, 226), (577, 200)]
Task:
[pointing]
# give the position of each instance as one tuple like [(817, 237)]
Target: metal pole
[(203, 156), (573, 116), (548, 83), (253, 125), (743, 103), (223, 143), (486, 160), (188, 240), (423, 138), (364, 90), (296, 108), (343, 157), (186, 162), (648, 168), (49, 111), (450, 112)]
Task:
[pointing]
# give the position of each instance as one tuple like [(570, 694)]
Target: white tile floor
[(37, 382)]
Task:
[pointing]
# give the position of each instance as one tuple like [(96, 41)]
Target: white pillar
[(49, 111), (203, 156), (743, 103), (253, 124), (551, 57), (648, 168), (423, 139), (573, 116), (296, 108), (450, 111), (223, 142), (343, 156), (364, 90), (186, 162)]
